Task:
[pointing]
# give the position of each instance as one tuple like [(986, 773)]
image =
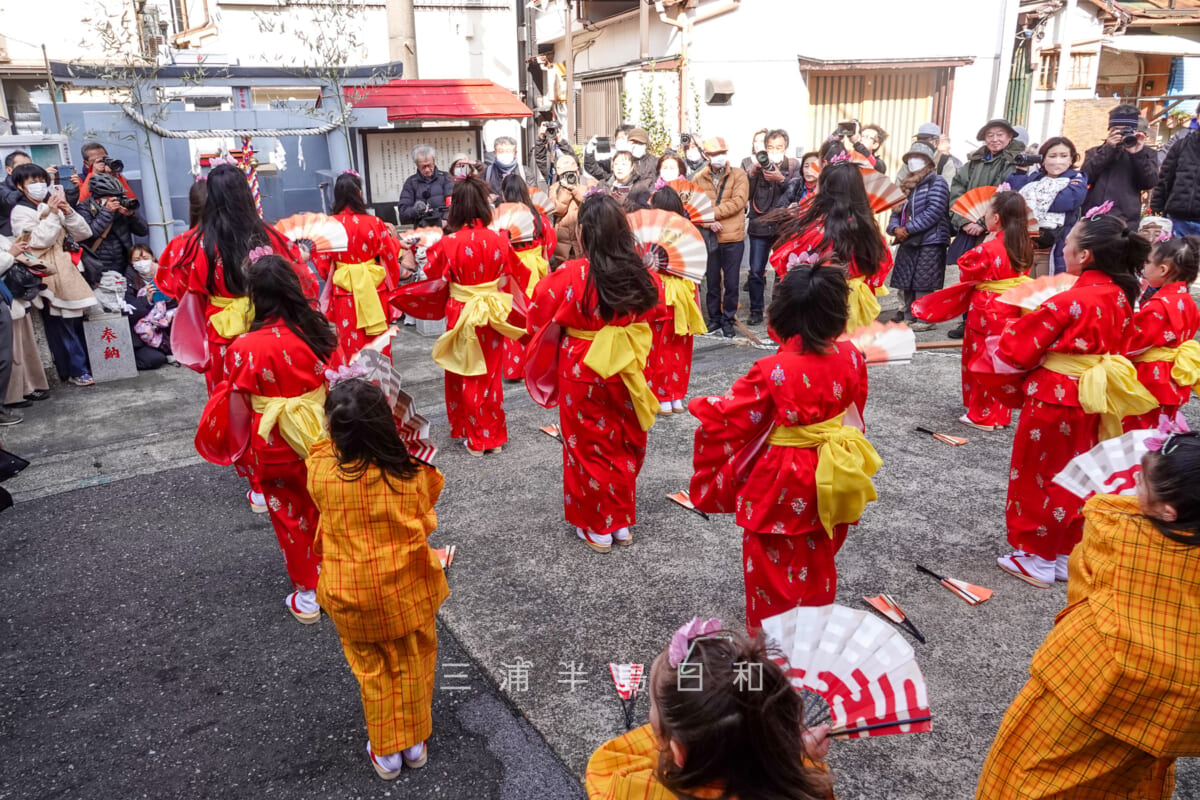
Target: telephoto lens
[(763, 159)]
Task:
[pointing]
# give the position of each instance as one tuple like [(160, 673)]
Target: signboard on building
[(389, 161)]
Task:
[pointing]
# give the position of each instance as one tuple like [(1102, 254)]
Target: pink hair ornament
[(681, 642), (1096, 211), (805, 259), (1167, 427), (260, 252), (345, 372)]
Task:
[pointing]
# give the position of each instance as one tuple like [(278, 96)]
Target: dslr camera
[(552, 129), (130, 203), (763, 159), (1128, 137), (1027, 159), (685, 139), (570, 178), (115, 164), (850, 127)]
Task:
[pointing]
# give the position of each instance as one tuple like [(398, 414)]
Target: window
[(1081, 70), (1048, 71)]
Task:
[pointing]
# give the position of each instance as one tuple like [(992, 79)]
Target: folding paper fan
[(515, 219), (684, 499), (970, 593), (885, 342), (862, 668), (974, 204), (696, 203), (1108, 468), (553, 431), (627, 679), (881, 193), (669, 243), (321, 234), (541, 200), (1032, 294), (413, 428)]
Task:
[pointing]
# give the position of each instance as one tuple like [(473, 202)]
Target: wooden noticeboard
[(389, 160)]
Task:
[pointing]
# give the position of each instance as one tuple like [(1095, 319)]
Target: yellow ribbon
[(845, 463), (234, 318), (1185, 362), (680, 295), (864, 308), (484, 305), (1002, 285), (301, 420), (1108, 386), (539, 267), (623, 349), (362, 280)]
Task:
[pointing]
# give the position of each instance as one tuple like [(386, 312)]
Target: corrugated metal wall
[(600, 109)]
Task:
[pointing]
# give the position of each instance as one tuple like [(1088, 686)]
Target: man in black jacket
[(1122, 168), (551, 143), (111, 214), (1178, 192), (423, 198), (768, 191)]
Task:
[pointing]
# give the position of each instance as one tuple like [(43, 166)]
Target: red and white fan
[(541, 200), (515, 219), (696, 202), (974, 204), (1032, 294), (884, 342), (669, 243), (1108, 468), (863, 671), (317, 232), (627, 678), (882, 194)]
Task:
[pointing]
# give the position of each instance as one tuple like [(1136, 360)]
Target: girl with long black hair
[(593, 316), (838, 224), (360, 278), (535, 254), (268, 413)]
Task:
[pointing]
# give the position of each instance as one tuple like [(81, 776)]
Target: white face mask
[(669, 172), (915, 164), (37, 191), (144, 267), (462, 171), (719, 162), (694, 156), (776, 158), (506, 160), (623, 146), (638, 150)]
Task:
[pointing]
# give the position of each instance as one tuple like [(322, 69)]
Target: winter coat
[(634, 197), (67, 294), (982, 169), (1069, 202), (566, 227), (947, 166), (111, 253), (434, 191), (1120, 176), (1178, 192), (493, 177), (10, 195), (766, 196), (734, 189), (544, 156), (923, 215)]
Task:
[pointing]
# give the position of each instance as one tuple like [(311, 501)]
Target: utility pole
[(402, 35)]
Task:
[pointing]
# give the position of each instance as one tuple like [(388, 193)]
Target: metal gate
[(599, 108)]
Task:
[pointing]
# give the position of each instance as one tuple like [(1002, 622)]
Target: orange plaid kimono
[(1114, 696), (382, 585)]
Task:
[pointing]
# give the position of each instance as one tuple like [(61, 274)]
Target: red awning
[(465, 98)]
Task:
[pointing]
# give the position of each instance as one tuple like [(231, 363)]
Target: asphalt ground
[(147, 653)]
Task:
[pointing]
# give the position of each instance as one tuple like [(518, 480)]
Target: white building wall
[(1085, 29), (467, 43)]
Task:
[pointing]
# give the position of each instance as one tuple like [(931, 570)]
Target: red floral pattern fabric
[(986, 316), (369, 240), (1168, 319)]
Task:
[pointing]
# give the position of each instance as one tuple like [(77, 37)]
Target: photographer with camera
[(568, 193), (597, 155), (551, 143), (96, 161), (770, 172), (424, 195), (1122, 167), (112, 216)]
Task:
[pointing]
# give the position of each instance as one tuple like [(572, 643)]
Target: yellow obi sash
[(1002, 285), (484, 305), (234, 318), (623, 349), (362, 280), (680, 295), (864, 308), (538, 266), (845, 463), (1185, 362), (1108, 386), (301, 420)]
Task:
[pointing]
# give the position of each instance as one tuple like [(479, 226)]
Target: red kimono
[(986, 316), (809, 240), (603, 443), (475, 403), (183, 270), (1092, 317), (540, 251), (669, 369), (270, 362), (787, 554), (370, 243), (1168, 319)]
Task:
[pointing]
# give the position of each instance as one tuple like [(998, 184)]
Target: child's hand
[(816, 742)]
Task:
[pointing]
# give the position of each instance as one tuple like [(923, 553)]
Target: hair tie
[(680, 647), (594, 190), (353, 172), (260, 252)]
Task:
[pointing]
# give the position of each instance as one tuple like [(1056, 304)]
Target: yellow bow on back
[(301, 420), (362, 280), (845, 463), (458, 349), (864, 308), (1108, 386), (680, 294), (1002, 285), (234, 318), (623, 349), (1185, 362), (535, 260)]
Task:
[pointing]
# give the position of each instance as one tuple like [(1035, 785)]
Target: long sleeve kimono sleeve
[(1023, 344)]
